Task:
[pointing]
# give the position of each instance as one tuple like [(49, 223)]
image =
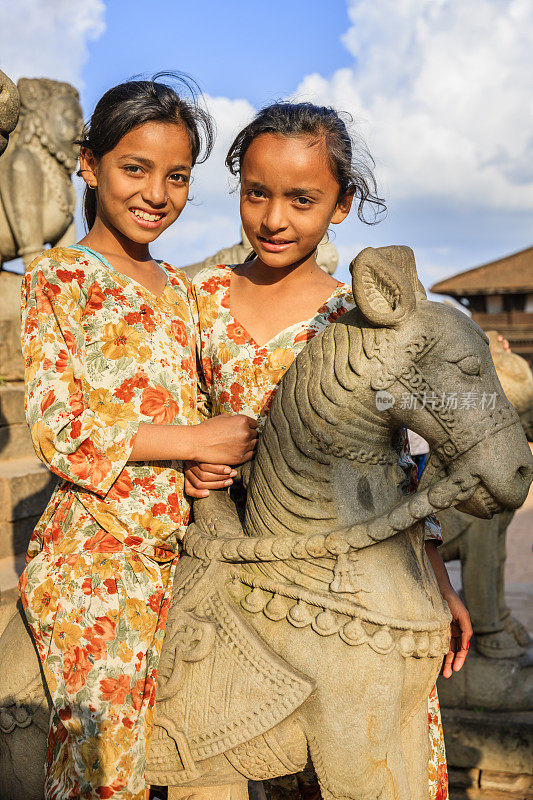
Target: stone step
[(25, 488), (477, 784), (498, 741), (15, 441), (10, 284), (11, 404), (15, 536), (489, 754), (11, 363), (10, 571)]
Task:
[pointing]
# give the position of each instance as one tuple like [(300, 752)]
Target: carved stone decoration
[(9, 109), (480, 545), (311, 619), (327, 256), (37, 198), (516, 379)]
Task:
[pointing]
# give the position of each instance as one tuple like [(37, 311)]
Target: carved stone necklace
[(56, 173)]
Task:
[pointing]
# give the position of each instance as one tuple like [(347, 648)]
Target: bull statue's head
[(433, 373)]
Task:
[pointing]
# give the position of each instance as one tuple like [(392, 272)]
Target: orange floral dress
[(239, 376), (102, 354)]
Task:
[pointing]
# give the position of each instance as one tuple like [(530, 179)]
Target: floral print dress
[(102, 354), (239, 376)]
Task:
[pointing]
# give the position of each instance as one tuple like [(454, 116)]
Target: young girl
[(299, 173), (108, 343)]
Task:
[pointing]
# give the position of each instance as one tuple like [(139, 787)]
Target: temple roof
[(509, 275)]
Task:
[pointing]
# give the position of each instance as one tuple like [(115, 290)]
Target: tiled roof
[(511, 274)]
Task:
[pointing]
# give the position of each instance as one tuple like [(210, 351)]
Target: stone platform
[(490, 754)]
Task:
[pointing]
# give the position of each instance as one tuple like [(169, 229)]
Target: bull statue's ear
[(382, 290)]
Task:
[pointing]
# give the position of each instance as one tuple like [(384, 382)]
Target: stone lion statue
[(9, 109), (37, 198)]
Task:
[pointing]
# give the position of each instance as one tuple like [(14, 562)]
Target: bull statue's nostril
[(526, 472)]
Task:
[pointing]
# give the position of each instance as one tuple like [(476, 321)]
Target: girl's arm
[(82, 435), (432, 531), (221, 440), (461, 627)]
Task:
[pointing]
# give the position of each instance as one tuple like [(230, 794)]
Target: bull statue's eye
[(470, 365)]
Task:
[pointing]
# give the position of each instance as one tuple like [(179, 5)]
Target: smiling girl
[(108, 342), (299, 171)]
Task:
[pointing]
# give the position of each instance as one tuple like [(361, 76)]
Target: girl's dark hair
[(349, 160), (135, 102)]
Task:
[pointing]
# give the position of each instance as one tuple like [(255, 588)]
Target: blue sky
[(438, 88), (252, 49)]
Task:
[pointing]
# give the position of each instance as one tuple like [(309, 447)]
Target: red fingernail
[(468, 645)]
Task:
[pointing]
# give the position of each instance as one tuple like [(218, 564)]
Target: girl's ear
[(342, 209), (88, 167)]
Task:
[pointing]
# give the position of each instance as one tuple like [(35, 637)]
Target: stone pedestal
[(490, 754), (492, 684), (487, 714)]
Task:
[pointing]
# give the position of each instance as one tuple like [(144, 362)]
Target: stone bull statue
[(310, 619), (37, 198), (481, 544)]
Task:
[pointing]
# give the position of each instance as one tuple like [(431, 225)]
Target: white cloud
[(48, 38), (442, 92)]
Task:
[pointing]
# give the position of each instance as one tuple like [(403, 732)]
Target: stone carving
[(37, 198), (480, 544), (310, 619), (516, 379), (9, 109), (327, 256)]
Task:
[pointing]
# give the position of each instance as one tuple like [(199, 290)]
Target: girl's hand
[(224, 440), (200, 478), (461, 633)]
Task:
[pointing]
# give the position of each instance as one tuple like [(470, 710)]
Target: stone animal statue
[(9, 109), (480, 545), (309, 619), (37, 198), (327, 256)]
